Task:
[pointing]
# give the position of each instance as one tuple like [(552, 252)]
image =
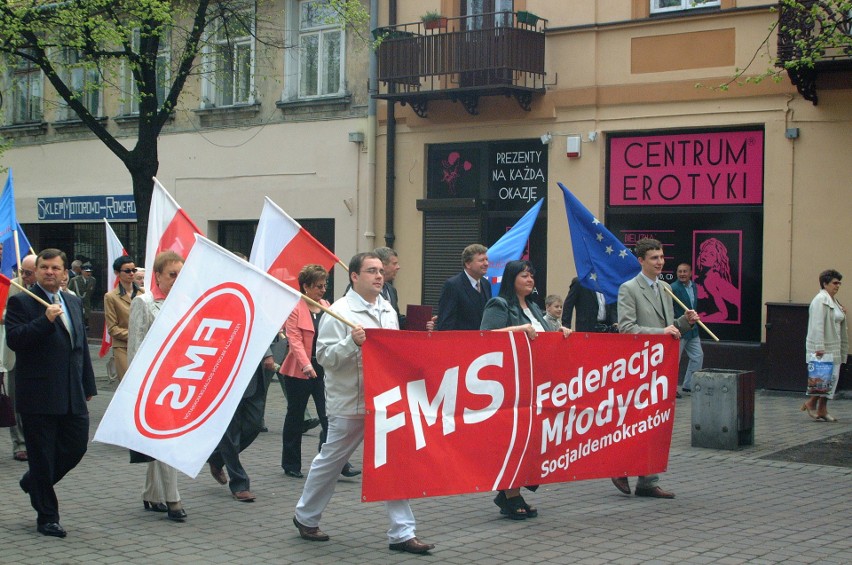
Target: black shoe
[(155, 506), (294, 474), (350, 471), (678, 395), (686, 389), (308, 425), (52, 529), (178, 514), (264, 429)]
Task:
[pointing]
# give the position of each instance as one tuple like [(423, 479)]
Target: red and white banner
[(189, 374), (169, 229), (462, 412), (114, 250), (282, 247)]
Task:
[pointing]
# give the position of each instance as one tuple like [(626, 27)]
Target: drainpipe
[(390, 177), (372, 88)]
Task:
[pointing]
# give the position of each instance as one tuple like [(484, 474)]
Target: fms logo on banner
[(196, 366)]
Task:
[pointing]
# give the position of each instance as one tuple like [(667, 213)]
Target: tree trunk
[(143, 165)]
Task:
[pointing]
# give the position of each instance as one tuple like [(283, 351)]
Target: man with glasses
[(25, 278), (339, 352)]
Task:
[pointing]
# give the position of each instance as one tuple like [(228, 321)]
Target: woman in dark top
[(510, 311)]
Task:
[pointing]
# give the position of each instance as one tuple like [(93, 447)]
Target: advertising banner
[(461, 412)]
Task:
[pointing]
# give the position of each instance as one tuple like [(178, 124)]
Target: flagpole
[(342, 264), (17, 250), (685, 307), (313, 302), (31, 293)]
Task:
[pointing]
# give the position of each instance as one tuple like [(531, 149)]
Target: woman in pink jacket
[(301, 374)]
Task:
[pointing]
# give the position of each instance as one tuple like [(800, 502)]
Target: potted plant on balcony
[(527, 18), (433, 20)]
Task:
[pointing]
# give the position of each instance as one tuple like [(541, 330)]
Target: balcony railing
[(802, 33), (462, 59)]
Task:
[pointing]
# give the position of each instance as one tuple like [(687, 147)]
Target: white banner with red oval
[(189, 374), (462, 412)]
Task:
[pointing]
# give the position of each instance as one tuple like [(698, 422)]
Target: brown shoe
[(244, 496), (622, 484), (413, 545), (310, 533), (218, 474), (655, 492)]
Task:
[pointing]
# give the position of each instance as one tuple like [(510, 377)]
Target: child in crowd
[(553, 311)]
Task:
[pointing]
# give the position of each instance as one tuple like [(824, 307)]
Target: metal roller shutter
[(444, 238)]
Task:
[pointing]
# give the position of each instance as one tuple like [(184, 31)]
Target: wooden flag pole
[(31, 293), (685, 307), (329, 312)]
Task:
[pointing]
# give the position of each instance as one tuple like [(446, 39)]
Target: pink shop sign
[(720, 168)]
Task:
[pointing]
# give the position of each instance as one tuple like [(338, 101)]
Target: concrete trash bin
[(723, 408)]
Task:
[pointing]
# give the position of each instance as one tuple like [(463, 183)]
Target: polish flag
[(114, 250), (282, 247), (5, 284), (169, 229)]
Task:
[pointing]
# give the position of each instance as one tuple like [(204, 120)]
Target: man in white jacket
[(339, 352)]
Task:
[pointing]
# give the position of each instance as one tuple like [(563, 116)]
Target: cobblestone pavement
[(731, 507)]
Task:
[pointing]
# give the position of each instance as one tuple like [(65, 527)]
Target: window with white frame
[(230, 59), (27, 92), (84, 81), (662, 6), (321, 42), (131, 104)]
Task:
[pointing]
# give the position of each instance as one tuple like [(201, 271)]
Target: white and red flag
[(282, 247), (114, 250), (187, 377), (169, 229)]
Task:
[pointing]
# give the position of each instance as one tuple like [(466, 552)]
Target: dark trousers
[(298, 393), (55, 444), (240, 433)]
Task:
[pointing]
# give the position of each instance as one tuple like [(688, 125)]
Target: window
[(488, 13), (230, 59), (84, 81), (320, 51), (662, 6), (131, 105), (27, 90)]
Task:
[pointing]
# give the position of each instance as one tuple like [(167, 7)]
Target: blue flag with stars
[(602, 261)]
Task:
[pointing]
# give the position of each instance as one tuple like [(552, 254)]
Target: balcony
[(813, 30), (462, 60)]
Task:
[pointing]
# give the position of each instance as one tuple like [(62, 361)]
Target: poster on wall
[(701, 194)]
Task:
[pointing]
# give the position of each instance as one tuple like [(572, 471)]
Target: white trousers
[(344, 436), (161, 483)]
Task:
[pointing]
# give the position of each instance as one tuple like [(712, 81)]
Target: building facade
[(621, 102)]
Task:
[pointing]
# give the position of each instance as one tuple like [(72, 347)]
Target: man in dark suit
[(593, 313), (390, 263), (464, 295), (54, 380), (644, 307), (690, 342)]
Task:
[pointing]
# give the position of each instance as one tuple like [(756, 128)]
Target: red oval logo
[(195, 368)]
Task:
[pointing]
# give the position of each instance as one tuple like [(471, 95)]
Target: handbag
[(7, 409), (820, 374)]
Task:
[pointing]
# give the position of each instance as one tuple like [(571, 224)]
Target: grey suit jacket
[(641, 312)]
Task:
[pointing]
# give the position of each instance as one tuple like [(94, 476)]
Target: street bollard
[(723, 408)]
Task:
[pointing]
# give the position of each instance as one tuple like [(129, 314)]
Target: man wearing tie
[(644, 307), (464, 295), (54, 381), (684, 289)]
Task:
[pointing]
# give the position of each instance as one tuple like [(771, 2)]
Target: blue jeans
[(693, 349)]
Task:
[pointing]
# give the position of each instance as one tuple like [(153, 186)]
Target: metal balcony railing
[(802, 33), (462, 59)]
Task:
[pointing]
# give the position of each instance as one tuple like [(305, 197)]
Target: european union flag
[(510, 247), (602, 261), (8, 225)]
